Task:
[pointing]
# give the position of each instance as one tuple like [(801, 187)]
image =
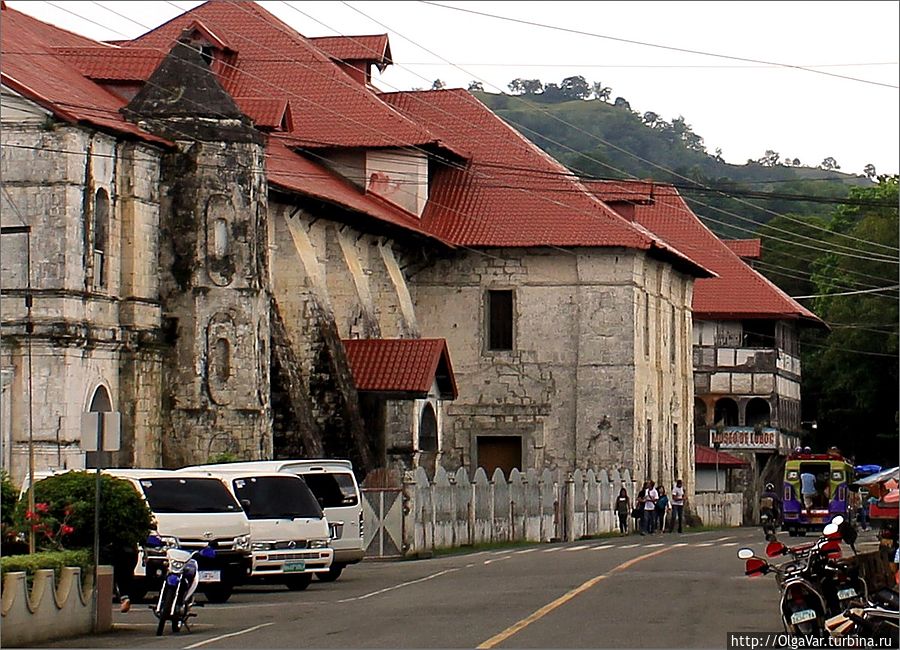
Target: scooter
[(803, 605), (878, 618), (176, 596)]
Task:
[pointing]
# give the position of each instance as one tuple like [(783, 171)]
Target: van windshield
[(181, 495), (276, 497), (333, 490)]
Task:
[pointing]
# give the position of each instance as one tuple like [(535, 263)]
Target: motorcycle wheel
[(165, 608)]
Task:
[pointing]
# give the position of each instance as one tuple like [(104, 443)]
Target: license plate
[(843, 594), (803, 616), (210, 576), (293, 567)]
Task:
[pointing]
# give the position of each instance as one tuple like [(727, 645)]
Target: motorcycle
[(176, 596), (804, 600), (878, 618)]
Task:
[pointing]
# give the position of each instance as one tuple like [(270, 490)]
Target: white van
[(191, 511), (336, 489), (288, 530)]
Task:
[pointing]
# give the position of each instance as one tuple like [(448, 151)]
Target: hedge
[(55, 560)]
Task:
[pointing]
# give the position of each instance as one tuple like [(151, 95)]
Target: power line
[(591, 135), (848, 293), (655, 45)]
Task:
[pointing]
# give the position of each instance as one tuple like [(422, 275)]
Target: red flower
[(42, 507), (65, 529), (68, 511), (29, 515)]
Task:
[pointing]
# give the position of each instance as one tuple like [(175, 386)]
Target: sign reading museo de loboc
[(745, 438)]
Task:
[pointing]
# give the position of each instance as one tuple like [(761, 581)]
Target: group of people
[(654, 511)]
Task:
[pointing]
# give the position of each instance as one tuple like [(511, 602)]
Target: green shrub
[(67, 500), (8, 497), (55, 560)]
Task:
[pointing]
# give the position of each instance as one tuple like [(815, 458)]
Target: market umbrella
[(880, 477), (892, 497)]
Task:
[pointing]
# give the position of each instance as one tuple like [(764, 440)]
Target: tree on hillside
[(829, 163), (850, 373), (650, 119), (437, 84), (621, 102), (769, 159), (476, 86), (869, 171), (532, 86), (600, 91), (575, 87)]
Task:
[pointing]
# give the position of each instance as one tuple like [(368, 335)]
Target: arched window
[(727, 412), (428, 438), (758, 412), (100, 238)]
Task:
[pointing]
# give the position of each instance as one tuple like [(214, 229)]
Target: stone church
[(224, 240)]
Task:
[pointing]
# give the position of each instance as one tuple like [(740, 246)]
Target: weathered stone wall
[(95, 307), (214, 287), (577, 387)]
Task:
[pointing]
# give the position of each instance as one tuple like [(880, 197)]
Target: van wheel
[(298, 582), (218, 593), (333, 573)]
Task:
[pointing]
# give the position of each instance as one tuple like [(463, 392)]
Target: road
[(662, 591)]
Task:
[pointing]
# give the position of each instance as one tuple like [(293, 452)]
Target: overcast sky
[(844, 106)]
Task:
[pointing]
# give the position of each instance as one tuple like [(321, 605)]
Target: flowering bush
[(49, 531), (64, 513)]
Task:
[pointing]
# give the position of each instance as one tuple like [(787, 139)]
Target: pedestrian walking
[(623, 510), (650, 498), (662, 510), (678, 505)]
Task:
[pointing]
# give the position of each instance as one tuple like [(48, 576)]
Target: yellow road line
[(549, 607)]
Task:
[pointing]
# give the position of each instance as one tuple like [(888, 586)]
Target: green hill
[(603, 140)]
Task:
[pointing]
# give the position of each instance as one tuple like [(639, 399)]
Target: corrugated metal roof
[(707, 456), (408, 366)]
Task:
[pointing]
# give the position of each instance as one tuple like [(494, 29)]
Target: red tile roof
[(512, 193), (272, 60), (408, 366), (739, 291), (111, 63), (637, 192), (747, 249), (295, 173), (32, 68), (265, 112), (375, 48), (706, 456)]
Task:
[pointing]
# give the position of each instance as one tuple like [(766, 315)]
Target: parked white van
[(335, 488), (288, 530), (191, 511)]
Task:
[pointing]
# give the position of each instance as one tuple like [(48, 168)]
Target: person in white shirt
[(678, 505), (650, 499)]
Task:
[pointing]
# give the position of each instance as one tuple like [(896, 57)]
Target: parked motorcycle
[(804, 581), (878, 618), (176, 596)]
